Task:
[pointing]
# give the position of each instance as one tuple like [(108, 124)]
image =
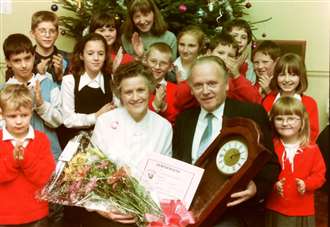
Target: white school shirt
[(201, 126), (184, 73), (126, 141), (71, 119)]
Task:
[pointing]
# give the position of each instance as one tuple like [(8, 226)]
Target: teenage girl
[(290, 79), (86, 93), (107, 25), (144, 26), (303, 169)]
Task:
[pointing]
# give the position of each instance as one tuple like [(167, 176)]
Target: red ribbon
[(174, 215)]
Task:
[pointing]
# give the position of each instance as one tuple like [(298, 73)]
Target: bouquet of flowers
[(85, 177)]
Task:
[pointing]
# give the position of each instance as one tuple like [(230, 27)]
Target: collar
[(218, 113), (86, 80), (30, 83), (163, 82), (7, 136), (55, 51)]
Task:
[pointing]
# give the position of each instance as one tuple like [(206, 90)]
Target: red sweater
[(171, 112), (20, 180), (240, 89), (311, 108), (308, 166)]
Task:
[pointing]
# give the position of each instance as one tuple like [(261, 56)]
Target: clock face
[(231, 156)]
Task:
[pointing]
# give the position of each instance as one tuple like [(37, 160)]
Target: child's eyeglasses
[(44, 32), (288, 120)]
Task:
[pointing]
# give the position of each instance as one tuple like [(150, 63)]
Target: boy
[(19, 54), (159, 59), (26, 161), (241, 31), (44, 29)]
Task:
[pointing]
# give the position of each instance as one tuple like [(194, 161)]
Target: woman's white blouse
[(126, 141)]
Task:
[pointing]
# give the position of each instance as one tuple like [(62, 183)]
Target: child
[(191, 43), (26, 161), (86, 93), (106, 25), (241, 31), (44, 29), (303, 169), (290, 79), (144, 26), (159, 59), (47, 114)]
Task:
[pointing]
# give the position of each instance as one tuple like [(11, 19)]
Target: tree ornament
[(229, 9), (218, 29), (200, 12), (182, 8), (211, 6), (248, 5), (54, 7), (63, 32), (254, 45), (264, 35), (117, 17)]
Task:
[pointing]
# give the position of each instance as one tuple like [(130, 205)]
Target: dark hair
[(42, 16), (130, 70), (107, 20), (159, 26), (269, 48), (295, 65), (198, 33), (78, 68), (161, 47), (16, 44), (239, 23), (224, 39)]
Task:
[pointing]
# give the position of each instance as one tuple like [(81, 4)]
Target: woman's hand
[(116, 62), (248, 193), (137, 44), (118, 217)]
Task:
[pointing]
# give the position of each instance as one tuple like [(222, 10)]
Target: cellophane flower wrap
[(89, 179)]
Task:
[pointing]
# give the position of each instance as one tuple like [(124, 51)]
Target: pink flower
[(175, 215), (91, 185)]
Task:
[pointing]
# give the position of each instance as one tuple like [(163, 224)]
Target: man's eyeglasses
[(44, 31)]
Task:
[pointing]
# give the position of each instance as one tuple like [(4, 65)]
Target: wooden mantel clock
[(230, 162)]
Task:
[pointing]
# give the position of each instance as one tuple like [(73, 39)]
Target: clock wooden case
[(230, 162)]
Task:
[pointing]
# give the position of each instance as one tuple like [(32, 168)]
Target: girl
[(144, 26), (191, 43), (107, 25), (86, 93), (290, 79), (303, 168)]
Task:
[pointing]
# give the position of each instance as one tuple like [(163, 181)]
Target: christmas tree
[(210, 15)]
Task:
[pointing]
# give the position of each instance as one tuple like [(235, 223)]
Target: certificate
[(170, 178)]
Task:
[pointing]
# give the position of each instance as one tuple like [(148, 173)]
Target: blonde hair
[(44, 16), (15, 96), (287, 105)]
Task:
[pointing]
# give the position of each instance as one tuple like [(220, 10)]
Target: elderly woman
[(129, 132)]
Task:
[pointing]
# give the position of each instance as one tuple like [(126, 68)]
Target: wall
[(300, 20)]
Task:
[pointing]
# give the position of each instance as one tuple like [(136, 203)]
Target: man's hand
[(58, 66), (118, 217), (242, 196)]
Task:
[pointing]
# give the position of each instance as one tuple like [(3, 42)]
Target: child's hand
[(107, 107), (301, 187), (159, 101), (37, 94), (279, 186), (43, 66), (116, 62), (58, 66), (243, 56), (233, 66), (19, 151), (137, 44), (264, 81)]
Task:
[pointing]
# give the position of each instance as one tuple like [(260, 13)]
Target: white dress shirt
[(201, 126), (71, 119), (126, 141)]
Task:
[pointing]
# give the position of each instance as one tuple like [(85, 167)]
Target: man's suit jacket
[(185, 127)]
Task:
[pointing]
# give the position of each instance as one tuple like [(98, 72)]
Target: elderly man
[(208, 82)]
